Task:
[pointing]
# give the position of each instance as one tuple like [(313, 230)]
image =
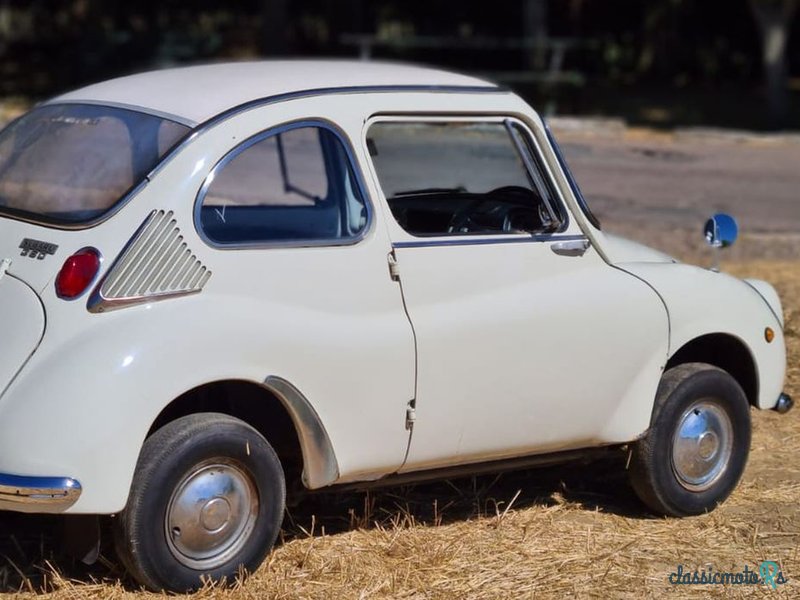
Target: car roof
[(195, 94)]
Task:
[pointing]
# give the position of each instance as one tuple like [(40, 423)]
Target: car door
[(300, 265), (527, 341)]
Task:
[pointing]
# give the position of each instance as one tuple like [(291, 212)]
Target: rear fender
[(85, 414)]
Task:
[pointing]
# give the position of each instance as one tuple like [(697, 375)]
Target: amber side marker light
[(769, 335), (78, 273)]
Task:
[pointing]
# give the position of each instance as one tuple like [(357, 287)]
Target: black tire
[(178, 463), (667, 471)]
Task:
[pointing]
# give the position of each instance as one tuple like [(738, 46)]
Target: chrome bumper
[(784, 404), (38, 494)]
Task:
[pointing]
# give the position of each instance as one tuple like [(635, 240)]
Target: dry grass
[(573, 530)]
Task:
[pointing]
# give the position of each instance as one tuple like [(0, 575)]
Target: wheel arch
[(278, 411), (725, 351)]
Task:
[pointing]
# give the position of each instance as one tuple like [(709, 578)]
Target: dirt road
[(660, 188)]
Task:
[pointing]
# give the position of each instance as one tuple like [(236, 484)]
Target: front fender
[(701, 302)]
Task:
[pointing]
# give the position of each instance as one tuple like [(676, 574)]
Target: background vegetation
[(664, 62)]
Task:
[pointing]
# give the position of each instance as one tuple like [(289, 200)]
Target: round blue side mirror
[(721, 231)]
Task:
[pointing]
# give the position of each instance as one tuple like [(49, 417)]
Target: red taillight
[(77, 274)]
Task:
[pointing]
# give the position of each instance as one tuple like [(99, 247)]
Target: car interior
[(290, 213), (508, 209)]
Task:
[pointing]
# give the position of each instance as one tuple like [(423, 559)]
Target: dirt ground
[(572, 530)]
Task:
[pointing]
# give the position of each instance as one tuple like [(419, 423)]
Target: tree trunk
[(774, 18), (274, 22), (6, 23), (534, 19)]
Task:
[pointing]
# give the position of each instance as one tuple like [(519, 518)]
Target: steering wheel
[(513, 217), (462, 218), (531, 201), (516, 191)]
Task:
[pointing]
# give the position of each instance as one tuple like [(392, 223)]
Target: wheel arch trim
[(320, 467)]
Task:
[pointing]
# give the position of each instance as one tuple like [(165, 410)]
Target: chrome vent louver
[(156, 264)]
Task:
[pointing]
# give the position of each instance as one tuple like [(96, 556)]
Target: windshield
[(71, 163), (571, 179)]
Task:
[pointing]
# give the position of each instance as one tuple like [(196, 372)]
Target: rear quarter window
[(291, 185)]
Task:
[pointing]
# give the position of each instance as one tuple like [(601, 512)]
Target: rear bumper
[(38, 494), (784, 404)]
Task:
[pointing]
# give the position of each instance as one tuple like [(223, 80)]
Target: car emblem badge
[(36, 248)]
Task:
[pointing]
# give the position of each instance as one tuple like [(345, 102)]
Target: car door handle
[(571, 247)]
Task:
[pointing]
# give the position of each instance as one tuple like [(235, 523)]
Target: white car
[(218, 280)]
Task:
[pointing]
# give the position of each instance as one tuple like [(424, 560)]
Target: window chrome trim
[(311, 243), (506, 121), (572, 183), (483, 241), (546, 172), (533, 171)]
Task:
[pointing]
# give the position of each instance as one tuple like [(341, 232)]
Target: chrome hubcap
[(211, 514), (702, 445)]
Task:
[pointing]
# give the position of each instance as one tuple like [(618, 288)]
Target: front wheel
[(695, 450), (206, 503)]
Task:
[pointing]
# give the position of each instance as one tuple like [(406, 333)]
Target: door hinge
[(394, 268), (411, 415)]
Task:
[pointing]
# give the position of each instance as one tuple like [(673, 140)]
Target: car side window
[(293, 184), (461, 178)]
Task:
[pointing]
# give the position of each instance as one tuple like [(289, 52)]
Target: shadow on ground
[(32, 558)]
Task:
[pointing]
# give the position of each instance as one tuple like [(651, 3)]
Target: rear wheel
[(206, 503), (695, 450)]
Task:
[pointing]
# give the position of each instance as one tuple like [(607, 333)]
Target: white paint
[(198, 93), (526, 352)]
